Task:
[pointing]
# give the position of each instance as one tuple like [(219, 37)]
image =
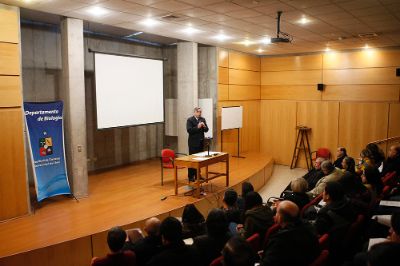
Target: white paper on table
[(382, 219), (391, 203), (188, 241), (199, 158), (205, 153), (373, 241)]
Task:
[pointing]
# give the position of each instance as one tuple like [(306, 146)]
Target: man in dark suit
[(196, 126), (295, 243)]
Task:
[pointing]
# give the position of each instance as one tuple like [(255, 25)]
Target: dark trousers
[(191, 171)]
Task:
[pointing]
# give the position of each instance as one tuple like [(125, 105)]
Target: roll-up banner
[(44, 122)]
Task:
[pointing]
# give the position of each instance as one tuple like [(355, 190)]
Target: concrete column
[(187, 89), (73, 95)]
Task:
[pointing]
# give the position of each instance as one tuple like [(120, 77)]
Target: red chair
[(313, 202), (254, 242), (167, 161), (274, 228), (321, 152), (217, 261), (390, 179), (324, 241), (322, 259)]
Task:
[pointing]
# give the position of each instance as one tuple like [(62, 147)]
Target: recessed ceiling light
[(259, 50), (266, 40), (366, 47), (222, 37), (303, 20), (327, 49), (149, 22), (97, 11), (190, 30), (246, 42)]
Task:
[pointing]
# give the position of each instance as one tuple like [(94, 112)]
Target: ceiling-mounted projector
[(281, 37)]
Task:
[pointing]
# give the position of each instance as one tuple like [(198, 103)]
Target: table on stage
[(198, 161)]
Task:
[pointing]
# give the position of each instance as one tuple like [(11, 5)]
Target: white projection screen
[(129, 91)]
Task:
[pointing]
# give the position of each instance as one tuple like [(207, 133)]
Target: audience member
[(356, 192), (331, 174), (116, 239), (384, 254), (257, 218), (237, 252), (392, 163), (298, 193), (372, 180), (341, 153), (148, 246), (230, 206), (175, 252), (377, 155), (295, 243), (348, 165), (209, 246), (193, 222), (246, 188), (364, 161)]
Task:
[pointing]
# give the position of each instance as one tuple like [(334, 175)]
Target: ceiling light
[(149, 22), (366, 47), (134, 34), (246, 42), (222, 37), (303, 20), (327, 49), (190, 30), (266, 40), (97, 11), (259, 50)]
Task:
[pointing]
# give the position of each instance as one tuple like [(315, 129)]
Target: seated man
[(298, 194), (229, 205), (209, 246), (392, 162), (175, 252), (257, 218), (341, 153), (295, 243), (148, 246), (331, 173), (115, 239), (312, 176)]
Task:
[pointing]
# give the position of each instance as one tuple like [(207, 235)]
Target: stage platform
[(62, 231)]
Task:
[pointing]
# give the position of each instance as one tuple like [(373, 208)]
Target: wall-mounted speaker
[(320, 86), (397, 72)]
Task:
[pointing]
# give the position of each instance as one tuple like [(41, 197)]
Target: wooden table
[(198, 162)]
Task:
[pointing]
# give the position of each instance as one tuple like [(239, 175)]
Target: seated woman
[(348, 165), (298, 193), (193, 222), (372, 181)]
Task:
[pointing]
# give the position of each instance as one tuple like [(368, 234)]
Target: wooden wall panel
[(375, 93), (242, 92), (361, 76), (13, 183), (303, 77), (303, 62), (362, 59), (223, 58), (9, 59), (290, 92), (223, 75), (249, 134), (278, 129), (223, 92), (322, 118), (9, 26), (10, 91), (76, 252), (394, 120), (243, 77), (244, 61), (361, 123)]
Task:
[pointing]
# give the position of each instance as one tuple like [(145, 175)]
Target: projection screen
[(129, 91)]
